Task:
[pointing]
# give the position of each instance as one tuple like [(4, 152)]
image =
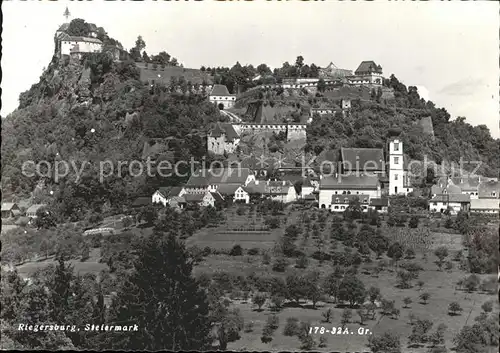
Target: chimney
[(339, 179)]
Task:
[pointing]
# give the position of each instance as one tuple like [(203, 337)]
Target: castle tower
[(396, 168)]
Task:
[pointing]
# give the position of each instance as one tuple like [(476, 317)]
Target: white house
[(212, 179), (168, 195), (282, 191), (484, 206), (76, 45), (340, 203), (221, 97), (241, 195), (456, 202), (203, 199), (307, 188), (32, 210), (354, 184)]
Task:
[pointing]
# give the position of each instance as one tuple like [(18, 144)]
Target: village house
[(282, 191), (222, 139), (489, 189), (485, 206), (10, 210), (339, 203), (33, 209), (221, 97), (210, 180), (204, 199), (236, 193), (169, 195), (379, 204), (331, 187), (454, 202)]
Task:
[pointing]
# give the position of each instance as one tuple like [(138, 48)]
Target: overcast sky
[(448, 49)]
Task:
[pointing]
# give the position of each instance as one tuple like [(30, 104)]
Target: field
[(440, 284)]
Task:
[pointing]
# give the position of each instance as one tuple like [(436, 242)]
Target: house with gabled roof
[(332, 72), (454, 202), (370, 160), (10, 210), (220, 96), (368, 72), (276, 190), (169, 195), (212, 179), (222, 138), (340, 203), (33, 209), (489, 189), (203, 199), (352, 184)]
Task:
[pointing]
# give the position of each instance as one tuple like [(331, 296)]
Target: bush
[(236, 250), (280, 265), (253, 251), (291, 327)]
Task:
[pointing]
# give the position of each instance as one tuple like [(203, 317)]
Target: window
[(396, 160), (336, 207), (396, 176), (342, 207), (434, 203), (335, 192)]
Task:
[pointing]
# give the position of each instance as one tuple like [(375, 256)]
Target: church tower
[(396, 168)]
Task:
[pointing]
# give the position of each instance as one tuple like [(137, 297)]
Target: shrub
[(259, 300), (280, 265), (487, 307), (454, 308), (253, 251), (236, 250), (291, 327)]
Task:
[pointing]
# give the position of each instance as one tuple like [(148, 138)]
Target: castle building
[(368, 72), (332, 72), (221, 97), (222, 139)]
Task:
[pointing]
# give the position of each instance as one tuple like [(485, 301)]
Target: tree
[(277, 301), (420, 284), (163, 298), (487, 307), (413, 222), (327, 315), (441, 253), (471, 283), (437, 337), (321, 85), (236, 250), (395, 252), (353, 290), (354, 210), (407, 301), (374, 294), (454, 308), (385, 343), (387, 306), (346, 316), (78, 28), (363, 315), (291, 327), (60, 288), (419, 331), (424, 297), (259, 300), (404, 278), (44, 219)]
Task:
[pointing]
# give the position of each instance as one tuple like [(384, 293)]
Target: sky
[(449, 50)]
